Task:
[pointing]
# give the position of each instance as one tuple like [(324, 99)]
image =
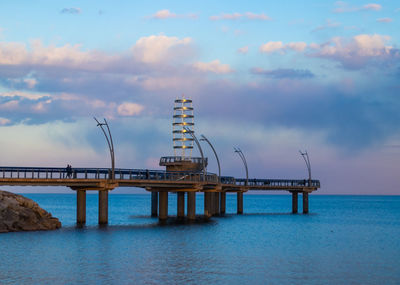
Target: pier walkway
[(158, 182)]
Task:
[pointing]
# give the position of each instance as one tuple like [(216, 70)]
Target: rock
[(18, 213)]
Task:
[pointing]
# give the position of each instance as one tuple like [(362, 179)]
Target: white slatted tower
[(183, 118)]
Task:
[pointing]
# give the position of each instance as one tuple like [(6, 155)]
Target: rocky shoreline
[(18, 213)]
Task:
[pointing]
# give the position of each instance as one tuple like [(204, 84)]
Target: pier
[(160, 183)]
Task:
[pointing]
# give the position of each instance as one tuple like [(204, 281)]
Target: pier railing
[(278, 182), (103, 173), (145, 174)]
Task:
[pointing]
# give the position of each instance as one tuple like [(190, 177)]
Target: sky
[(269, 77)]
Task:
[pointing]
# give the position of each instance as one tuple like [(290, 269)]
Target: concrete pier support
[(154, 204), (240, 203), (222, 203), (163, 206), (207, 204), (181, 204), (295, 202), (212, 204), (191, 205), (103, 207), (216, 204), (305, 202), (81, 206)]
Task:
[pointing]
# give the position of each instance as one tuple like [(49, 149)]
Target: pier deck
[(157, 182)]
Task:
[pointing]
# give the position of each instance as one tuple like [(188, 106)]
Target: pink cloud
[(166, 14), (243, 50), (253, 16), (237, 16), (343, 7), (4, 121), (68, 55), (214, 66), (384, 20), (154, 49), (129, 109), (372, 6), (271, 47), (357, 51)]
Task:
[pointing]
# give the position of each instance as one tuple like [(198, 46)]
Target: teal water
[(344, 240)]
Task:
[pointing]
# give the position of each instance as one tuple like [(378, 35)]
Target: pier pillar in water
[(216, 203), (222, 203), (240, 203), (163, 206), (207, 204), (305, 202), (191, 205), (181, 204), (103, 207), (295, 202), (81, 206), (154, 204), (212, 204)]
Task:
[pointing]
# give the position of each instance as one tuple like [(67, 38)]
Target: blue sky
[(271, 78)]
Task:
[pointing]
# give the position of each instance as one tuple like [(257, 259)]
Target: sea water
[(343, 240)]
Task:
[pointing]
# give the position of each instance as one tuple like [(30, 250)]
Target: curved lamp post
[(199, 146), (307, 161), (203, 138), (240, 153), (110, 144)]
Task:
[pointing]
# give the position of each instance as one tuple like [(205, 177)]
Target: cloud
[(46, 83), (296, 46), (105, 84), (328, 25), (166, 14), (283, 73), (151, 49), (384, 20), (71, 11), (38, 108), (343, 7), (237, 16), (68, 55), (129, 109), (30, 82), (374, 7), (359, 51), (4, 121), (253, 16), (243, 50), (214, 66), (271, 47), (223, 16), (158, 48)]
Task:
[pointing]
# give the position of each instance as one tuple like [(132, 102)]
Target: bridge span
[(159, 183)]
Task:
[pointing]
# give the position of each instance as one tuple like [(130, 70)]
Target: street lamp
[(240, 153), (307, 161), (203, 138), (187, 130), (110, 144)]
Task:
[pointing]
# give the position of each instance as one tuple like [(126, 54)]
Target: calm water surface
[(344, 240)]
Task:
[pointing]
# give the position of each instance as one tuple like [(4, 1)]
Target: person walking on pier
[(69, 171)]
